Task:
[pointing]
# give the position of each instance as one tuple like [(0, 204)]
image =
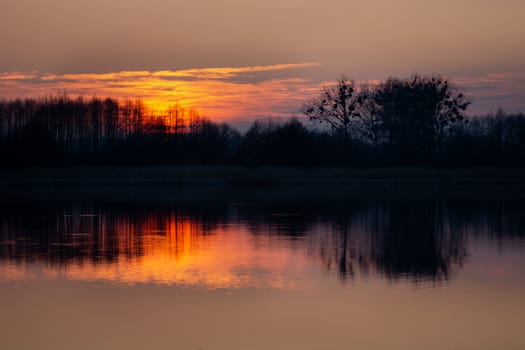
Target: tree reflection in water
[(419, 240)]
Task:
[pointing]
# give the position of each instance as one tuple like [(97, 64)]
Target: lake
[(251, 273)]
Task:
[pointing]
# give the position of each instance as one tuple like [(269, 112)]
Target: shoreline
[(263, 175), (219, 183)]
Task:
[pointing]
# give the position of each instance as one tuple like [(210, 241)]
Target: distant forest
[(417, 121)]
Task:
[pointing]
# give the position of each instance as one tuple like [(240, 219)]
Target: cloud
[(496, 90), (237, 93), (222, 93), (97, 77), (16, 76), (229, 72), (194, 73)]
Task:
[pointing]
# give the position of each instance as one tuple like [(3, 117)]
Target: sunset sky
[(240, 60)]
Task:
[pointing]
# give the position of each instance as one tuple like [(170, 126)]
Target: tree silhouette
[(415, 121), (416, 113), (336, 106), (371, 125)]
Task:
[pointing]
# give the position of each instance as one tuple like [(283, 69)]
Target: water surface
[(352, 274)]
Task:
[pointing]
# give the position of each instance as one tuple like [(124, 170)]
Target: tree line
[(61, 130), (414, 121)]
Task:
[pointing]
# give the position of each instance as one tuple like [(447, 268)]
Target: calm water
[(351, 274)]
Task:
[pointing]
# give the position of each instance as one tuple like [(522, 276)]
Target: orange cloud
[(198, 73), (16, 76), (235, 93), (222, 93)]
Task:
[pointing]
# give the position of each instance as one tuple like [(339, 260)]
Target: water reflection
[(243, 245)]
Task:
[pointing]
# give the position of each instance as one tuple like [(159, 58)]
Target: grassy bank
[(262, 176)]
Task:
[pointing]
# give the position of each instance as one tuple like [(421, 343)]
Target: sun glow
[(222, 93), (226, 94)]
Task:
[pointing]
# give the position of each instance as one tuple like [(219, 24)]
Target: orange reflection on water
[(174, 250)]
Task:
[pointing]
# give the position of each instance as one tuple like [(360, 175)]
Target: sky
[(238, 59)]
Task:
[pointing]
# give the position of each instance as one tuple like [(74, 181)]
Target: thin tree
[(336, 106), (371, 126)]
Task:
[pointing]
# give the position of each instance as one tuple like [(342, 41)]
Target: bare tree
[(371, 126), (336, 106)]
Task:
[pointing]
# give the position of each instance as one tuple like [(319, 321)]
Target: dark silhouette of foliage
[(416, 114), (416, 121), (274, 143), (337, 106)]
